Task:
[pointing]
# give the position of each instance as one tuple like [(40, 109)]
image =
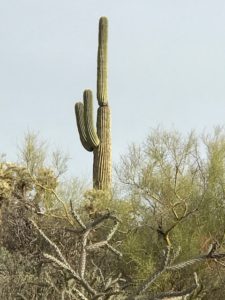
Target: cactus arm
[(79, 112), (91, 134), (102, 76)]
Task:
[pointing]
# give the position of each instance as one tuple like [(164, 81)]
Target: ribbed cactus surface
[(98, 138)]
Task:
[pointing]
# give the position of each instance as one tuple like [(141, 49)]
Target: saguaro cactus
[(98, 141)]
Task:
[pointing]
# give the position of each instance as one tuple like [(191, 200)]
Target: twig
[(55, 195), (76, 216)]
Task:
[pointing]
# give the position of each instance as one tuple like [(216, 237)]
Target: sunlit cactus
[(98, 140)]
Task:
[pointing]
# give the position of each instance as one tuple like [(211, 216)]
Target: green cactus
[(98, 141)]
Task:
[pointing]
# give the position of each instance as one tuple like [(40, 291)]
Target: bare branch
[(58, 251), (76, 216)]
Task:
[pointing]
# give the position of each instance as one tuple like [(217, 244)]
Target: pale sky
[(166, 66)]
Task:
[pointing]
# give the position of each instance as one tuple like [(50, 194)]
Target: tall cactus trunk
[(98, 141), (102, 166)]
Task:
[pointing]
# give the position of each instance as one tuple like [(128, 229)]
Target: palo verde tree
[(97, 141)]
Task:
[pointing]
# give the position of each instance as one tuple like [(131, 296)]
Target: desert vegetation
[(158, 233), (155, 232)]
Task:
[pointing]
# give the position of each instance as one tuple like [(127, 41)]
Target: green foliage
[(179, 185), (15, 180), (171, 188), (138, 256), (33, 152)]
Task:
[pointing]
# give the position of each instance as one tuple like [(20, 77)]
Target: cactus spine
[(98, 141)]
